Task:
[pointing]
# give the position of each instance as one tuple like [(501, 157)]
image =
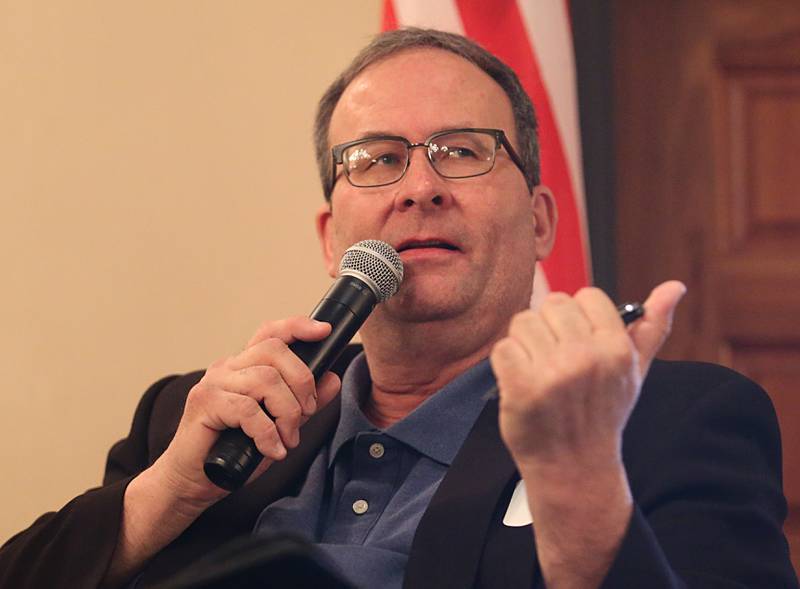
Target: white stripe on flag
[(550, 35), (440, 14)]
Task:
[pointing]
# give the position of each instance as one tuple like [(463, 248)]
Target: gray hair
[(392, 42)]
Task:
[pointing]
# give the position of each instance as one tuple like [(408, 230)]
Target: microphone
[(370, 272)]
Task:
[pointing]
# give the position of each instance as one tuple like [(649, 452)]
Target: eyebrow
[(375, 134)]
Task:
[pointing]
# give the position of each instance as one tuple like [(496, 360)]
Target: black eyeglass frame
[(337, 153)]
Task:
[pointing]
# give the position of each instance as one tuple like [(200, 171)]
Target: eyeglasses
[(455, 153)]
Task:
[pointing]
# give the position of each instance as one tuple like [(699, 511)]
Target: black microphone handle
[(346, 306)]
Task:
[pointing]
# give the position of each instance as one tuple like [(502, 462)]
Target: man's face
[(491, 227)]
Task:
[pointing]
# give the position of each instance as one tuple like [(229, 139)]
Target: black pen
[(628, 312)]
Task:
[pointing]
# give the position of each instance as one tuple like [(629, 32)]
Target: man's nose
[(422, 186)]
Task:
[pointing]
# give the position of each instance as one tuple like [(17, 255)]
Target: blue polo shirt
[(367, 490)]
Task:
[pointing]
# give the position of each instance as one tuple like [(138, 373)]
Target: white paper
[(518, 514)]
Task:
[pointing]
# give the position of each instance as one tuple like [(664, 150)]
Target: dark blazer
[(701, 449)]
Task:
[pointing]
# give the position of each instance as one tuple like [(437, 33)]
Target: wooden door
[(707, 135)]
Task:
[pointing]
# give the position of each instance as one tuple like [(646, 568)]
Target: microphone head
[(377, 264)]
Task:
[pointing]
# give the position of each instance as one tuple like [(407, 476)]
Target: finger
[(266, 385), (532, 333), (512, 367), (291, 329), (288, 416), (263, 431), (327, 388), (650, 332), (225, 410), (565, 317), (599, 309), (290, 369)]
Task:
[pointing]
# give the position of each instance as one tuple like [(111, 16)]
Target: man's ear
[(324, 221), (545, 218)]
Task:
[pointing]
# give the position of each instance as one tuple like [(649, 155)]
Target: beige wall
[(158, 189)]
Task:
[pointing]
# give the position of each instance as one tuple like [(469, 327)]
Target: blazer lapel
[(450, 538)]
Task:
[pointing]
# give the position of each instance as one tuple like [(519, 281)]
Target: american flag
[(534, 37)]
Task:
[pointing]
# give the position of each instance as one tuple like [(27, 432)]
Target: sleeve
[(709, 502), (73, 546)]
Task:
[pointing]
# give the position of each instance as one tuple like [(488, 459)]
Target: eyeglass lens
[(453, 155)]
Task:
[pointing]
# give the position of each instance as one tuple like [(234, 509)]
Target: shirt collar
[(437, 428)]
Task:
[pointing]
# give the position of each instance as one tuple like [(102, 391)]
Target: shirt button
[(360, 507), (376, 450)]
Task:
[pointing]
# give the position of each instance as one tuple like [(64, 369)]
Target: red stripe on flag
[(499, 28), (389, 20)]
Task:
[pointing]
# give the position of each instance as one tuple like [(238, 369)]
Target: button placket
[(368, 490)]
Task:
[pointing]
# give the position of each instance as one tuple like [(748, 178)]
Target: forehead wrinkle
[(407, 89)]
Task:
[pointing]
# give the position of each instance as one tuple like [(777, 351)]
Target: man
[(412, 475)]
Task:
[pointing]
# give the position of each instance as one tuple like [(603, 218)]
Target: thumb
[(650, 332)]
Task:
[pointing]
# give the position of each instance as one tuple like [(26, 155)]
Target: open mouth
[(427, 244)]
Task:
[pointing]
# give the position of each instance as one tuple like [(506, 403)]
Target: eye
[(385, 159), (374, 155), (457, 147), (456, 152)]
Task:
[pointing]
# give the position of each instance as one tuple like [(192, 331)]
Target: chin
[(417, 305)]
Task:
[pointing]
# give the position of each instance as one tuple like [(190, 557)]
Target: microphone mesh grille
[(378, 262)]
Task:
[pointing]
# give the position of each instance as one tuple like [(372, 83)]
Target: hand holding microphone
[(370, 272)]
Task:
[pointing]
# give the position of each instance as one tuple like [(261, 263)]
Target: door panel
[(707, 134)]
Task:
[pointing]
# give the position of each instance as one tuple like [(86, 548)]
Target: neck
[(410, 362)]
